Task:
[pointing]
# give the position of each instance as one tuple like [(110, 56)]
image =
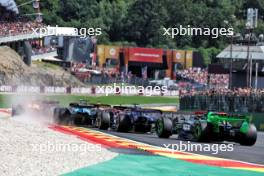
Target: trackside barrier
[(81, 90), (93, 90), (62, 90), (25, 89), (20, 37), (6, 88)]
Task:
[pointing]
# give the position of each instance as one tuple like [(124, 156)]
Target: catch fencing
[(253, 103)]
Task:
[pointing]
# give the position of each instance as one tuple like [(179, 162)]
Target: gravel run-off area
[(34, 149)]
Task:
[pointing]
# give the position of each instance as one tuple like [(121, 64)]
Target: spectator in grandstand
[(39, 48), (18, 28), (198, 75)]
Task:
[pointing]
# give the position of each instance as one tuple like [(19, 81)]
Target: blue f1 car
[(80, 113), (119, 118), (125, 119)]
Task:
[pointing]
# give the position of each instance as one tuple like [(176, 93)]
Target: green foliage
[(141, 22), (144, 21), (208, 53)]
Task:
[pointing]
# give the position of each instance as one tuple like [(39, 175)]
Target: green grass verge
[(6, 100), (46, 65), (145, 165)]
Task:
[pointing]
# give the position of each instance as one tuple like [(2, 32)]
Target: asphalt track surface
[(252, 154)]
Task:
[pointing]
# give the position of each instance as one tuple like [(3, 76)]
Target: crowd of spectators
[(201, 76), (219, 80), (237, 100), (193, 74), (24, 27), (18, 28)]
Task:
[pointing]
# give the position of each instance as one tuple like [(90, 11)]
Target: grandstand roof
[(240, 52)]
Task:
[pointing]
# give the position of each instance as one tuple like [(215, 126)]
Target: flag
[(157, 74), (144, 72)]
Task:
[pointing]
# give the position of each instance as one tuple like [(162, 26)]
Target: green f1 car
[(208, 126)]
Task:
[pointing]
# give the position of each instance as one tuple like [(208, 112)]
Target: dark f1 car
[(35, 107), (125, 119), (81, 113), (119, 118), (209, 126)]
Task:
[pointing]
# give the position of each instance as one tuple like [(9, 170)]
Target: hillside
[(13, 71)]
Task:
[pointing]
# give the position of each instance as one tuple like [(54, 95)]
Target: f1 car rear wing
[(216, 116), (99, 105)]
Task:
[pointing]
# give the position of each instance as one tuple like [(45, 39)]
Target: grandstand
[(17, 31), (13, 24), (241, 55)]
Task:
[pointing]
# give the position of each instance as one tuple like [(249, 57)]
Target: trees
[(141, 21), (144, 21), (49, 8)]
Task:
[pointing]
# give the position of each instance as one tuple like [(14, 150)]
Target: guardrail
[(33, 35), (13, 38)]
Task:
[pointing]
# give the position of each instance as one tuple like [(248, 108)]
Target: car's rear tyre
[(201, 132), (250, 137), (104, 121), (123, 123), (163, 128), (62, 116)]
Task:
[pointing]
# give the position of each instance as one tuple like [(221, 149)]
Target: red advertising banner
[(145, 55)]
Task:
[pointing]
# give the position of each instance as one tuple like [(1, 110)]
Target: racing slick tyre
[(163, 128), (250, 137), (62, 116), (123, 123), (104, 121), (200, 132)]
